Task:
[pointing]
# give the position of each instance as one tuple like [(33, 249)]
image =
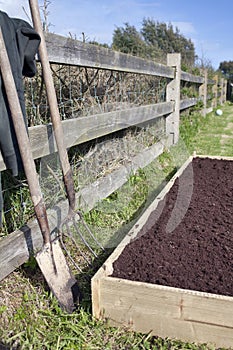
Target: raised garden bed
[(172, 274)]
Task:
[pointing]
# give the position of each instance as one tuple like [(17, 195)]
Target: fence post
[(224, 90), (215, 92), (173, 94), (203, 91), (221, 91)]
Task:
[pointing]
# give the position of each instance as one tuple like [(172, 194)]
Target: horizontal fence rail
[(72, 52), (187, 103), (192, 78), (80, 130)]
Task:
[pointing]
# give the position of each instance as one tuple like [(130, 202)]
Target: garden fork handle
[(53, 105)]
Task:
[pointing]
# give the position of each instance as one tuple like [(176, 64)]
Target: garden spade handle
[(23, 141), (53, 105)]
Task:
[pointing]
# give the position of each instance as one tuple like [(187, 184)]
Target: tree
[(154, 41), (94, 42), (45, 11), (128, 40), (226, 67), (165, 38)]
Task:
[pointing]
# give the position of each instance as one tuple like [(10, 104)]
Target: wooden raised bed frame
[(160, 310)]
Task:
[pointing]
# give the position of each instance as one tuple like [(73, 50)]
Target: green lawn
[(30, 317), (215, 134)]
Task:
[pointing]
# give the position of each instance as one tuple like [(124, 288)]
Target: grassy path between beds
[(215, 134), (30, 317)]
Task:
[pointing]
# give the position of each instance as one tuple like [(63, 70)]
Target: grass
[(212, 136), (38, 323), (29, 315)]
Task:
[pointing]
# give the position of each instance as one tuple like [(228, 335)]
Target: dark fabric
[(1, 201), (22, 43)]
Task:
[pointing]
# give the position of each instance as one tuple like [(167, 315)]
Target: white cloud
[(186, 28)]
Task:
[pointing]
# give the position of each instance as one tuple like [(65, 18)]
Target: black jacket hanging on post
[(22, 43)]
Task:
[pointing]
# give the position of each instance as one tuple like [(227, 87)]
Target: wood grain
[(73, 52)]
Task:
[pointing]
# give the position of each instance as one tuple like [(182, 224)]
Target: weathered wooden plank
[(189, 102), (192, 78), (160, 310), (167, 312), (73, 52), (172, 302), (16, 248), (79, 130)]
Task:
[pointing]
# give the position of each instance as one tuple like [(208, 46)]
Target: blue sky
[(208, 23)]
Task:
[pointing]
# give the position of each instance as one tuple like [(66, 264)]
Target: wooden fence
[(16, 248)]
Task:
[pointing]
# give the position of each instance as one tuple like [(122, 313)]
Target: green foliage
[(17, 202), (154, 41), (93, 42), (31, 264), (123, 203), (209, 134), (213, 136), (164, 37), (128, 40), (188, 92), (226, 67), (189, 127)]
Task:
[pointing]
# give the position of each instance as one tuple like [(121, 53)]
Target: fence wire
[(85, 91)]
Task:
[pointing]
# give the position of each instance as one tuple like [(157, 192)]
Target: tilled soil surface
[(187, 241)]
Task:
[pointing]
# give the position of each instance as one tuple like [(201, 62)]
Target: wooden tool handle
[(23, 141), (53, 105)]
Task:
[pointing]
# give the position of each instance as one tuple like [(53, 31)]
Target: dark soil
[(197, 254)]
